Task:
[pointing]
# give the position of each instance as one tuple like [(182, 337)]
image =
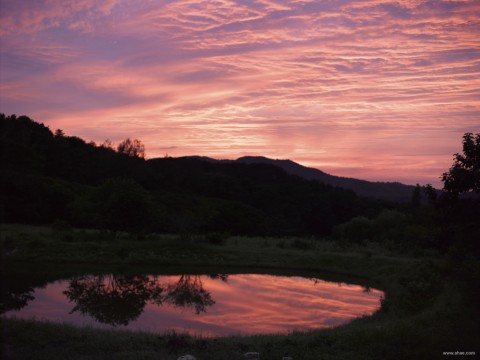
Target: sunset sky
[(374, 89)]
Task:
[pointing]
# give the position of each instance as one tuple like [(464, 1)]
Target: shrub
[(356, 230), (61, 225), (217, 238), (301, 244)]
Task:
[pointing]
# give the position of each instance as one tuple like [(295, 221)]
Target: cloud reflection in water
[(206, 305)]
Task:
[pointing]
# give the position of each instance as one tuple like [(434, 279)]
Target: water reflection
[(213, 305), (117, 300), (112, 299), (189, 292), (15, 300)]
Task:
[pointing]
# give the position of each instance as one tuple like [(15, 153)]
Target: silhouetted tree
[(133, 148), (431, 194), (464, 175), (59, 133), (458, 216), (113, 299), (107, 144), (416, 196)]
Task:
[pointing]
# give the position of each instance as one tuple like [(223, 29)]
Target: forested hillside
[(392, 191), (50, 176)]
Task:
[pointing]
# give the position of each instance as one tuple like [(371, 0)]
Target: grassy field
[(429, 307)]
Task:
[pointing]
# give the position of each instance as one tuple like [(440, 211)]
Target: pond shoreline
[(428, 319), (207, 303)]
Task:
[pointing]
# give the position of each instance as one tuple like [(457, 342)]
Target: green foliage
[(357, 230), (301, 244), (393, 229), (217, 238), (123, 205), (390, 224), (117, 205), (416, 196), (417, 289), (61, 225)]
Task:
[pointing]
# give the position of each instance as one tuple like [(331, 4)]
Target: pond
[(202, 305)]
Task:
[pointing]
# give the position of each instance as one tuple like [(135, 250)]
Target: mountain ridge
[(393, 191)]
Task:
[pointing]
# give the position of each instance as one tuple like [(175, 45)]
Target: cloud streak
[(375, 89)]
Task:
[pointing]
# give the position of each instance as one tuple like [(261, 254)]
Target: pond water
[(203, 305)]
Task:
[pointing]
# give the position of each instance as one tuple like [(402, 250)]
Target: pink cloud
[(32, 16), (318, 82)]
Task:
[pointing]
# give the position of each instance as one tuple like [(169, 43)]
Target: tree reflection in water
[(112, 299), (189, 292), (15, 300), (119, 299)]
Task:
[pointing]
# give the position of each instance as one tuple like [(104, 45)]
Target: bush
[(301, 244), (61, 225), (67, 237), (357, 230), (217, 238), (8, 244), (390, 225), (118, 205), (415, 290)]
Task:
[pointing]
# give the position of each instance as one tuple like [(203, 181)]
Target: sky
[(373, 89)]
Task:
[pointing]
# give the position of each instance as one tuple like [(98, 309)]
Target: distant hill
[(393, 191), (49, 177)]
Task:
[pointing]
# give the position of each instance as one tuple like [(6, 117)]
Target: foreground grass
[(22, 243), (427, 309)]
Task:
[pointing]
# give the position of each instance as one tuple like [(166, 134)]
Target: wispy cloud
[(376, 89)]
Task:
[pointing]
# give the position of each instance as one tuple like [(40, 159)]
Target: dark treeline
[(50, 177)]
